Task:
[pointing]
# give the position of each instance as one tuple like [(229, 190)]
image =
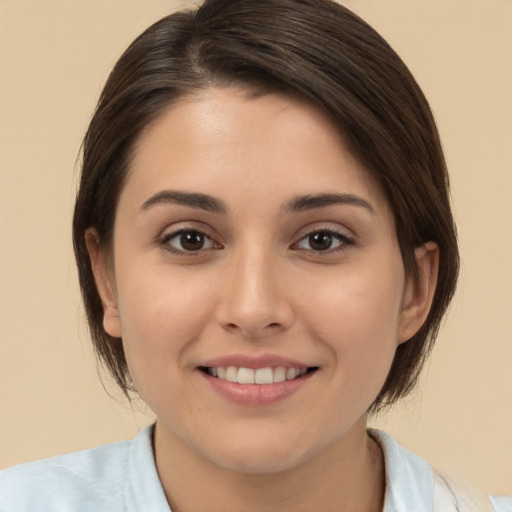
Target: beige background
[(54, 58)]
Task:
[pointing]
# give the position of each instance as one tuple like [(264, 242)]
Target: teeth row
[(259, 376)]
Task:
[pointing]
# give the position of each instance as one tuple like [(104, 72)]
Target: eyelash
[(165, 241), (344, 241)]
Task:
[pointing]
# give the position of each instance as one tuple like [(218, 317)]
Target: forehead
[(221, 139)]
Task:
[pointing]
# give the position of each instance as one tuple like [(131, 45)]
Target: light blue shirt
[(122, 477)]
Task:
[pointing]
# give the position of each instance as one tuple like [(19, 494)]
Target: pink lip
[(248, 361), (255, 394)]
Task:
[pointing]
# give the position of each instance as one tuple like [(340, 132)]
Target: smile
[(266, 375)]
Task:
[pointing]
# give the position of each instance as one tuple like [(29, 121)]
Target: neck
[(346, 477)]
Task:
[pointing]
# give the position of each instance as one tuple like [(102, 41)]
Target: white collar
[(409, 478)]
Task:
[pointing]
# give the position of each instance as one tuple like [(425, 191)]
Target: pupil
[(192, 241), (320, 241)]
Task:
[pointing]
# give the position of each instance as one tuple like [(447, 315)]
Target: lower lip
[(256, 394)]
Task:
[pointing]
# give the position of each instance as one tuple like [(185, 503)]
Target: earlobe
[(419, 291), (104, 283)]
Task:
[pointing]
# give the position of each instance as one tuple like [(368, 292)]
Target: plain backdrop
[(54, 58)]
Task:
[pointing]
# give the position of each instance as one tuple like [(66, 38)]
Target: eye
[(323, 240), (187, 240)]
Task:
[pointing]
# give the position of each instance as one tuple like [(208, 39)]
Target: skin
[(259, 286)]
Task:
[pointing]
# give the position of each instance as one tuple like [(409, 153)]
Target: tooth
[(263, 376), (231, 373), (245, 376), (291, 373), (279, 374)]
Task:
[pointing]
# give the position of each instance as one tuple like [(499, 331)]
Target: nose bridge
[(255, 301)]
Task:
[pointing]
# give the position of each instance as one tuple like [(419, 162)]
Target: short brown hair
[(318, 50)]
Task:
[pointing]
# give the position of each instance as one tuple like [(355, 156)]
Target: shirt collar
[(409, 478), (144, 491)]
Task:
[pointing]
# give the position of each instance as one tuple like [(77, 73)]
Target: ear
[(104, 279), (419, 291)]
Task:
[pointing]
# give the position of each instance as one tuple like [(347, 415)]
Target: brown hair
[(316, 49)]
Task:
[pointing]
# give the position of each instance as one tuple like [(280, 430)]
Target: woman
[(266, 250)]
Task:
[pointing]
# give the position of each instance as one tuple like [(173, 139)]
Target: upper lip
[(254, 362)]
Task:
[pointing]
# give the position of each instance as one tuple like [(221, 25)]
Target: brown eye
[(192, 241), (188, 241), (320, 241), (323, 240)]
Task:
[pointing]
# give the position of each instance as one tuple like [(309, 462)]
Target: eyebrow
[(214, 205), (191, 199), (312, 201)]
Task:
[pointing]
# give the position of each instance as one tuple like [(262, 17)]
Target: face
[(256, 281)]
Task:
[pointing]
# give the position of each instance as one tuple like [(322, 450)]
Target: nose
[(255, 300)]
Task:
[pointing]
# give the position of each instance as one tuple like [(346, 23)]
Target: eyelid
[(346, 240), (344, 236), (167, 235)]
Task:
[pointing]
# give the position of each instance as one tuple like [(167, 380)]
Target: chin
[(259, 451), (256, 461)]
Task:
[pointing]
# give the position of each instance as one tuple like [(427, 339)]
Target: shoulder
[(502, 503), (95, 479), (464, 496), (461, 495), (76, 481), (412, 484)]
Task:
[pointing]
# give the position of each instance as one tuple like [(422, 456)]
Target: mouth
[(265, 376)]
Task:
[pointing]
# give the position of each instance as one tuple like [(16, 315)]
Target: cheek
[(162, 313), (356, 316), (356, 300)]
